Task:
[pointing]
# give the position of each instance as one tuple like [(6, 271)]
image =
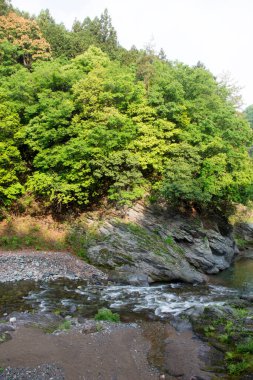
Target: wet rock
[(39, 319), (135, 279), (247, 297), (5, 327)]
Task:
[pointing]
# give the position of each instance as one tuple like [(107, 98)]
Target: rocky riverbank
[(150, 244), (45, 266), (46, 346)]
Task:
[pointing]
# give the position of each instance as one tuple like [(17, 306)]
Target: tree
[(98, 32), (5, 7), (248, 112), (55, 34), (26, 36)]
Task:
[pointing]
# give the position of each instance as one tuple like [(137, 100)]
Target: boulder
[(150, 244)]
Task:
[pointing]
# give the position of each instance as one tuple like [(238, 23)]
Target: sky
[(216, 32)]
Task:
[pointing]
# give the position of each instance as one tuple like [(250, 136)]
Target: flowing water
[(157, 301), (170, 352)]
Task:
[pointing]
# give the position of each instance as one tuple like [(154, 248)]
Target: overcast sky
[(216, 32)]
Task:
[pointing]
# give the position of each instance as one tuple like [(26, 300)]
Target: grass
[(240, 242), (37, 233), (4, 337), (234, 337), (25, 232), (65, 325), (105, 314), (169, 240), (237, 368), (246, 347), (79, 237)]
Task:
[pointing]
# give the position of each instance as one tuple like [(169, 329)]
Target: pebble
[(46, 266), (41, 372)]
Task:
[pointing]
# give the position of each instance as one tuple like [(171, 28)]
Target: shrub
[(65, 325), (105, 314), (246, 347)]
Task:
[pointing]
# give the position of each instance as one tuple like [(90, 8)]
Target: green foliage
[(237, 368), (169, 240), (105, 314), (10, 167), (248, 113), (99, 121), (79, 238), (232, 333), (246, 347), (65, 325)]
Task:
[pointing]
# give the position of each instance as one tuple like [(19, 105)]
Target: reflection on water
[(239, 276)]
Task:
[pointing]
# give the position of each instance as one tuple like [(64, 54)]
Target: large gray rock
[(244, 231), (161, 247)]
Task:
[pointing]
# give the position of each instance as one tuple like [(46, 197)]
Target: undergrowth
[(25, 232), (105, 314), (232, 333)]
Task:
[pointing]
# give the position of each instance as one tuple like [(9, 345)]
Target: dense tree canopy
[(25, 36), (99, 121)]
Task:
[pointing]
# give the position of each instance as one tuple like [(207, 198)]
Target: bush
[(246, 347), (105, 314), (64, 325)]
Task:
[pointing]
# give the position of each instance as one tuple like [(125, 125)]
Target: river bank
[(38, 347), (45, 266), (179, 329), (164, 320), (115, 352)]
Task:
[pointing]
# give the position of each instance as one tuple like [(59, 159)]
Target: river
[(157, 301), (174, 349)]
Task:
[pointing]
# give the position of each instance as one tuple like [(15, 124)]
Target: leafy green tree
[(217, 136), (98, 32), (11, 165), (55, 34), (248, 112), (99, 121)]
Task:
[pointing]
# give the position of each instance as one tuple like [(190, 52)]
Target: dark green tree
[(56, 34)]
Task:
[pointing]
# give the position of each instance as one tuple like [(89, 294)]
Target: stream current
[(132, 303)]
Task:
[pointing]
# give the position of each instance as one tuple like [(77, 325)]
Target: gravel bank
[(45, 266), (41, 372)]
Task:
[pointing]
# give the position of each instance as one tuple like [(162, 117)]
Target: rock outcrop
[(245, 232), (151, 245)]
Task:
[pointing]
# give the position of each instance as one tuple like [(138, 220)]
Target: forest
[(84, 120)]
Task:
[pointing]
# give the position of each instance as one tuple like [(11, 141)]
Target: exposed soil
[(119, 354)]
